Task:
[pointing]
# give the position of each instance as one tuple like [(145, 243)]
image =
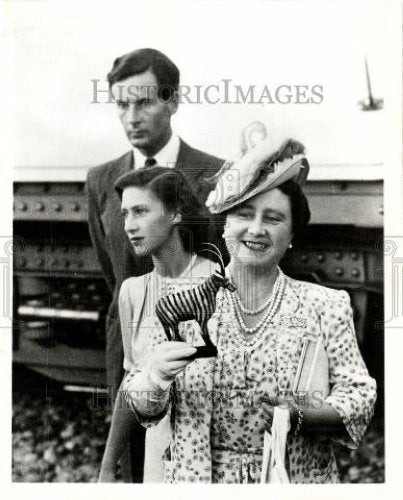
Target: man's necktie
[(150, 162)]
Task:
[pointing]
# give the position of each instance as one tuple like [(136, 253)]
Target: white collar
[(166, 157)]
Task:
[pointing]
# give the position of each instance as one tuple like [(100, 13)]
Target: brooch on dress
[(294, 322)]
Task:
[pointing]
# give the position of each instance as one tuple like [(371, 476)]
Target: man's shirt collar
[(166, 157)]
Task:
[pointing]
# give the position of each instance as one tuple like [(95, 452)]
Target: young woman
[(227, 403), (162, 218)]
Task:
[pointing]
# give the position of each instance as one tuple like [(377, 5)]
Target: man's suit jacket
[(115, 254)]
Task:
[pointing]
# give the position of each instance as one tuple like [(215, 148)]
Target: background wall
[(60, 47)]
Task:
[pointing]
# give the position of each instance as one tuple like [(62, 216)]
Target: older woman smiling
[(222, 407)]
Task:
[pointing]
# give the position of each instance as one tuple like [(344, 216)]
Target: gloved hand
[(166, 360)]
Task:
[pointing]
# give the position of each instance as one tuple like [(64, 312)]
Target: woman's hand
[(168, 359)]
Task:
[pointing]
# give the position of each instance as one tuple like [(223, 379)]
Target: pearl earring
[(290, 245)]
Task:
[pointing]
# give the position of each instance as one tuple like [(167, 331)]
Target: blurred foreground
[(59, 436)]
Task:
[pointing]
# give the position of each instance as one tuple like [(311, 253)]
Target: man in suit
[(144, 85)]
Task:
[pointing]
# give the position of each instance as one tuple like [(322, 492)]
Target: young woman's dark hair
[(172, 189), (139, 61)]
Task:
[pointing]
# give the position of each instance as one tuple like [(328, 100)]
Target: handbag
[(311, 383), (310, 387)]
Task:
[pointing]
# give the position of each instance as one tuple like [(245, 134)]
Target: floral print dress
[(217, 424), (243, 378)]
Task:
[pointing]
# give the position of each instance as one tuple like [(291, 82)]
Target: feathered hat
[(260, 167)]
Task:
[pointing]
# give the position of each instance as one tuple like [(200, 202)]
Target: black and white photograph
[(201, 269)]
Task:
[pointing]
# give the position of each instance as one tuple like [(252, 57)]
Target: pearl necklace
[(260, 327), (251, 312)]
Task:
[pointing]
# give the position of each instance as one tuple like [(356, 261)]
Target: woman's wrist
[(293, 418)]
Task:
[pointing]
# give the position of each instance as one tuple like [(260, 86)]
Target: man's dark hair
[(141, 60), (174, 192)]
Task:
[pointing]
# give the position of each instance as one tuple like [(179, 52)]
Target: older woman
[(163, 219), (221, 407)]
